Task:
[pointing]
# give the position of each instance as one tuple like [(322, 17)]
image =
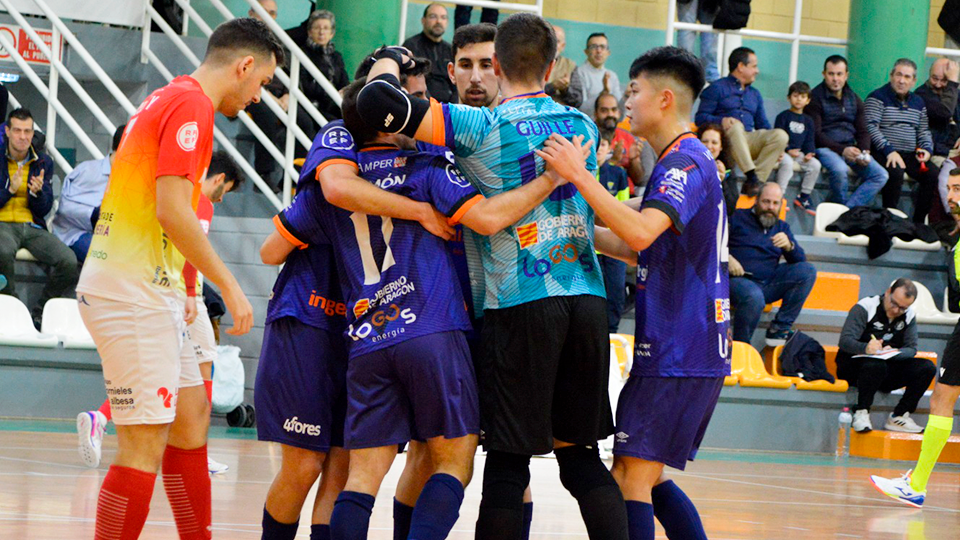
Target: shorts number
[(371, 272)]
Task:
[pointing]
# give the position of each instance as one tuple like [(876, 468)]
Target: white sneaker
[(90, 428), (903, 423), (861, 421), (215, 467), (899, 489)]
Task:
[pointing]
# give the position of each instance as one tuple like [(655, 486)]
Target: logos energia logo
[(293, 425)]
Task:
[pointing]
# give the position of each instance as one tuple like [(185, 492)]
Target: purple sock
[(351, 516), (319, 532), (274, 530), (437, 508), (527, 520), (676, 512), (640, 520), (401, 520)]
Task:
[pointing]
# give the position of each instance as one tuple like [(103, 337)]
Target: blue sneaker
[(804, 203), (899, 489)]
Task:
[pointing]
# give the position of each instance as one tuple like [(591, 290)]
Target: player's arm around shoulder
[(638, 230)]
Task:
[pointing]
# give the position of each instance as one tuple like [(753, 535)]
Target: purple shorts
[(663, 419), (300, 396), (421, 388)]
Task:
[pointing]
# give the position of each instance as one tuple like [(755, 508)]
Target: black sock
[(274, 530), (402, 514), (601, 502), (527, 520), (676, 512), (319, 532), (505, 477)]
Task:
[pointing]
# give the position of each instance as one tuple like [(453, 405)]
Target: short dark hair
[(20, 114), (954, 171), (430, 5), (908, 287), (117, 136), (673, 62), (361, 132), (904, 62), (596, 102), (835, 59), (470, 34), (597, 34), (525, 46), (221, 162), (740, 55), (244, 34), (421, 67), (799, 87)]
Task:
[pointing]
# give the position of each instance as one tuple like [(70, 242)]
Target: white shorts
[(200, 333), (145, 355)]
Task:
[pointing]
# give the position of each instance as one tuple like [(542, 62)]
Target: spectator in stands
[(878, 348), (623, 144), (614, 178), (800, 148), (758, 239), (900, 134), (269, 5), (939, 94), (561, 85), (80, 199), (461, 16), (591, 78), (711, 135), (737, 106), (319, 48), (702, 11), (842, 140), (4, 97), (26, 196), (430, 44)]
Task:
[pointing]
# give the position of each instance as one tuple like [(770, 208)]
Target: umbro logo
[(943, 371), (622, 437)]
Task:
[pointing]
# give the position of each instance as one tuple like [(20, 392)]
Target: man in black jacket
[(876, 327), (430, 45), (939, 94), (26, 197)]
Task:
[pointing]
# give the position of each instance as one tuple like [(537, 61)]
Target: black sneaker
[(803, 201), (775, 338), (750, 189)]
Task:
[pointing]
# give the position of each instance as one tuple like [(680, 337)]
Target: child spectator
[(800, 147), (711, 135)]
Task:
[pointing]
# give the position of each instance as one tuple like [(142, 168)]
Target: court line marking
[(811, 491)]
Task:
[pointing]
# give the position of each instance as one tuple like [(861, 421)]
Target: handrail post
[(795, 42), (404, 7), (291, 122), (671, 16), (54, 88)]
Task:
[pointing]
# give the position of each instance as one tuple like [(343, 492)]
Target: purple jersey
[(399, 279), (683, 293)]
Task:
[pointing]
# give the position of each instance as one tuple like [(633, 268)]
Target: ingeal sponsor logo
[(293, 425), (557, 254), (642, 273), (328, 306), (378, 322)]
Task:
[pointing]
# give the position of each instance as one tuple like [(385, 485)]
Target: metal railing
[(535, 8)]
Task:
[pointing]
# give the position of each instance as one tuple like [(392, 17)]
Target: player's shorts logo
[(187, 136), (166, 396), (293, 425), (337, 138)]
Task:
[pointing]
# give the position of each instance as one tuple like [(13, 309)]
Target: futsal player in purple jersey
[(679, 241)]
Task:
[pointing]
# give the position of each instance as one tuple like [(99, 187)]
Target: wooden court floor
[(46, 494)]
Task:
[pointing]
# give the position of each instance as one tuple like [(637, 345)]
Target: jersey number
[(723, 253), (371, 272)]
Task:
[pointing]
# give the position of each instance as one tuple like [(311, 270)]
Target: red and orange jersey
[(130, 258)]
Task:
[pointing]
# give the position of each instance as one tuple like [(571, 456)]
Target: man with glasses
[(430, 44), (878, 349), (591, 77)]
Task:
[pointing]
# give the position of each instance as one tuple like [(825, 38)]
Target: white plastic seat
[(24, 255), (916, 244), (16, 326), (926, 309), (827, 213), (61, 318)]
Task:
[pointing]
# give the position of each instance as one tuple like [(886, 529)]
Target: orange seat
[(750, 371), (801, 384), (745, 202), (832, 292), (622, 346)]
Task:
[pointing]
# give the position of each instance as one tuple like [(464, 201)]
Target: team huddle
[(440, 290)]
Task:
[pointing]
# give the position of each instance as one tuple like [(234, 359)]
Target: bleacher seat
[(16, 326), (748, 365), (24, 255), (832, 291), (830, 358), (800, 382), (827, 213), (927, 311), (916, 244), (61, 318)]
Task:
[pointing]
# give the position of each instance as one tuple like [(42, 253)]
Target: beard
[(476, 96), (767, 219), (954, 209)]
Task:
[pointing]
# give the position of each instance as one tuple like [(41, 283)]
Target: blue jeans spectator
[(614, 279), (790, 283), (690, 13), (81, 247), (872, 178)]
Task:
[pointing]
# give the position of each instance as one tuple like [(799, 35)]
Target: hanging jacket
[(803, 357), (949, 19), (881, 227), (732, 15)]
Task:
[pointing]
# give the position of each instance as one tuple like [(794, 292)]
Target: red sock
[(124, 503), (187, 482), (208, 385), (105, 409)]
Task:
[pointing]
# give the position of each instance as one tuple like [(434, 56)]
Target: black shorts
[(544, 373), (949, 372)]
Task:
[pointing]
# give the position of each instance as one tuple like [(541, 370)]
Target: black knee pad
[(581, 470), (505, 477)]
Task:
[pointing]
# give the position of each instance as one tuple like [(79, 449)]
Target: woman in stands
[(711, 135)]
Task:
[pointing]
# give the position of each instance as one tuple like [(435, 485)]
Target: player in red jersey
[(127, 291)]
